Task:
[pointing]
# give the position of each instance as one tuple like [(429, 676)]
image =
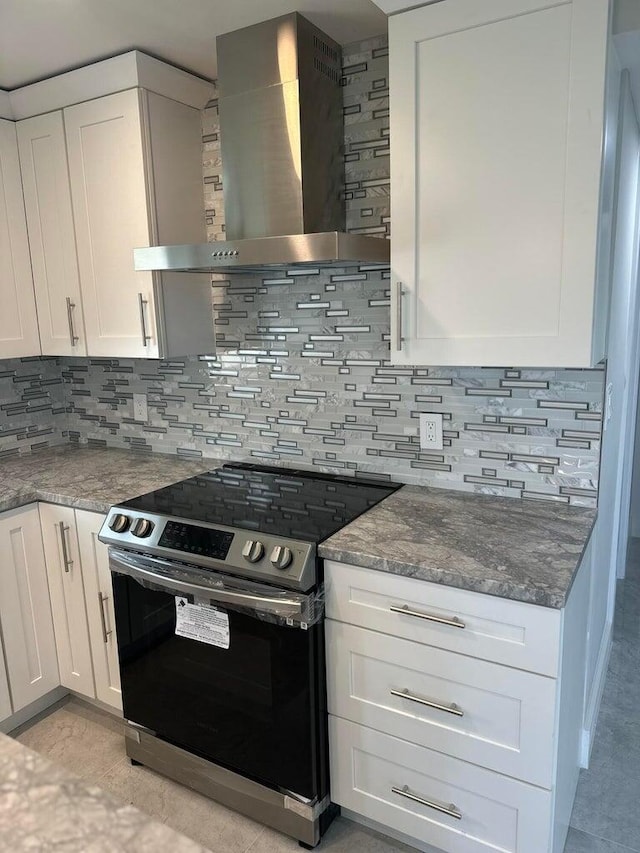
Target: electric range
[(218, 594)]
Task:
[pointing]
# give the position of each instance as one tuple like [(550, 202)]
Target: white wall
[(609, 538), (626, 15)]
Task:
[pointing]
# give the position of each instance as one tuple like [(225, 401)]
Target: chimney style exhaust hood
[(281, 132)]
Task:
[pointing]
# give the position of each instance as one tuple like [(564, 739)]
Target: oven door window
[(252, 707)]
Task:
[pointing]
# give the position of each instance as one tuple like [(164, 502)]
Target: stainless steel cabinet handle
[(142, 302), (450, 809), (454, 622), (399, 298), (72, 335), (65, 553), (101, 600), (450, 709)]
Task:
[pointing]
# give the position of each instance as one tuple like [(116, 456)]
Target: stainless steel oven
[(220, 623)]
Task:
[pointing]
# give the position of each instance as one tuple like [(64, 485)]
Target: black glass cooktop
[(285, 502)]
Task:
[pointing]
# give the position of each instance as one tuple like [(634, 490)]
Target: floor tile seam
[(100, 776), (623, 847), (252, 846)]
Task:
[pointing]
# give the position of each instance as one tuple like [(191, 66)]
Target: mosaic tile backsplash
[(302, 377), (32, 406)]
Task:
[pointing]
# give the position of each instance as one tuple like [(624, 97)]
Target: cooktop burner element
[(258, 521)]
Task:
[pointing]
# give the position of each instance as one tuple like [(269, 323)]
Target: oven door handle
[(278, 606)]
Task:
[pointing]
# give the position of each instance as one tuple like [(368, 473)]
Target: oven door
[(248, 694)]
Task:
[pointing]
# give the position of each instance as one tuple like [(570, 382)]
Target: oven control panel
[(254, 554), (193, 539)]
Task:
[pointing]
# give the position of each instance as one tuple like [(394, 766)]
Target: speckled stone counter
[(523, 550), (44, 807), (90, 478)]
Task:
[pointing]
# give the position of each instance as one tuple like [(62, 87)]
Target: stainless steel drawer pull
[(101, 600), (450, 809), (63, 540), (454, 622), (399, 298), (450, 709), (73, 338), (143, 323)]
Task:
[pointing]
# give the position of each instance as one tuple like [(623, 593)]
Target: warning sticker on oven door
[(202, 623)]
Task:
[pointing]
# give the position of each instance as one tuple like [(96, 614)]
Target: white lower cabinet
[(25, 614), (5, 698), (100, 611), (432, 797), (67, 597), (81, 600), (480, 712), (454, 717)]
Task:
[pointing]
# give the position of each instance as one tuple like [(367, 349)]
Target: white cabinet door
[(18, 321), (524, 636), (67, 597), (496, 136), (410, 789), (5, 698), (110, 206), (25, 609), (481, 712), (100, 611), (47, 196)]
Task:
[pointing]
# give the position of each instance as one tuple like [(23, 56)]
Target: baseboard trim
[(32, 710), (594, 700), (98, 703)]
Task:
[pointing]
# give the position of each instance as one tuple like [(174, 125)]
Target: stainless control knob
[(142, 527), (119, 523), (253, 550), (281, 557)]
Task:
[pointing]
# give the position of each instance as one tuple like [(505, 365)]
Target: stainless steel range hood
[(281, 132)]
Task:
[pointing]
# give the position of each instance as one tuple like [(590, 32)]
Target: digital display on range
[(192, 539)]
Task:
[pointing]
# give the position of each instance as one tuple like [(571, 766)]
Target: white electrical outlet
[(430, 431), (140, 409)]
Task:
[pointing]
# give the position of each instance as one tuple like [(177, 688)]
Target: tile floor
[(90, 743), (606, 815)]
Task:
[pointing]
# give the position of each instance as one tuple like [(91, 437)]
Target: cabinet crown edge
[(105, 77)]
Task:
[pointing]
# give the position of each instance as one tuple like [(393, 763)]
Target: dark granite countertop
[(523, 550), (44, 807), (90, 478)]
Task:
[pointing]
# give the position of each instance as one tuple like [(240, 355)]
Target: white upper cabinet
[(497, 121), (101, 176), (47, 196), (108, 185), (18, 323), (127, 192)]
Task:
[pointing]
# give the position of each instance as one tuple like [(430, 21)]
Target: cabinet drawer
[(501, 718), (391, 781), (521, 635)]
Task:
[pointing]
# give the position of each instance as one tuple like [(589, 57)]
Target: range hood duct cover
[(281, 129), (281, 135)]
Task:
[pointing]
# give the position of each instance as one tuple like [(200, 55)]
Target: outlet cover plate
[(140, 408), (430, 431)]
